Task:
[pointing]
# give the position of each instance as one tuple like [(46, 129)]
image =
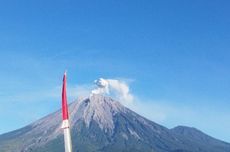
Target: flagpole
[(65, 118)]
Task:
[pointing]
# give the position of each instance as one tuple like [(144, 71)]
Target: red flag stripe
[(65, 114)]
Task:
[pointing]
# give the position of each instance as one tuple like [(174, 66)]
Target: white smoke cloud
[(102, 86), (116, 88)]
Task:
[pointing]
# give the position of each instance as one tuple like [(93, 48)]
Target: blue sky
[(175, 54)]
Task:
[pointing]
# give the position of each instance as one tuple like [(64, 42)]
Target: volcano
[(101, 124)]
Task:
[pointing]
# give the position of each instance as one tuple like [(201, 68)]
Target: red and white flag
[(65, 118)]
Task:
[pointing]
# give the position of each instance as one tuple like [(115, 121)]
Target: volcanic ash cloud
[(114, 87)]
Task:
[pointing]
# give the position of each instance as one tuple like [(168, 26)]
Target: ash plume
[(114, 87)]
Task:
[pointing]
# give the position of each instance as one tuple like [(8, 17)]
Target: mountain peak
[(100, 109)]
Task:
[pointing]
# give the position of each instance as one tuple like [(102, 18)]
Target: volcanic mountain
[(101, 124)]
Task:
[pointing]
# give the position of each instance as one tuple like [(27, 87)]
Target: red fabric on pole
[(65, 114)]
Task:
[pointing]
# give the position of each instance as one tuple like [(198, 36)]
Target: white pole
[(67, 136)]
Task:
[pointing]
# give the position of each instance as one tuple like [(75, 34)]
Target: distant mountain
[(100, 124)]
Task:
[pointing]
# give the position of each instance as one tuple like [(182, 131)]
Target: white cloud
[(121, 90), (116, 88)]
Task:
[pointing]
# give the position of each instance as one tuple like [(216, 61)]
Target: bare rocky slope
[(100, 124)]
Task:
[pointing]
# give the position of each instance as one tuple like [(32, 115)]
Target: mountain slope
[(192, 136), (100, 124)]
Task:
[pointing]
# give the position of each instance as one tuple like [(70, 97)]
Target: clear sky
[(175, 56)]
